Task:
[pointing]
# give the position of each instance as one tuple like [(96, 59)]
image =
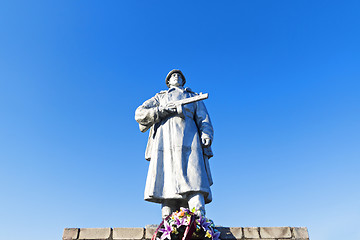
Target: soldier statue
[(178, 147)]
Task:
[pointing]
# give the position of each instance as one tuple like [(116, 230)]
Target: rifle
[(179, 103)]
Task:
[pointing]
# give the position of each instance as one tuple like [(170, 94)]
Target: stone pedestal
[(227, 233)]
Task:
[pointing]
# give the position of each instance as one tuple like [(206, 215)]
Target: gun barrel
[(196, 98)]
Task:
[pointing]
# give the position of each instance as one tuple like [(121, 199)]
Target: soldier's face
[(175, 80)]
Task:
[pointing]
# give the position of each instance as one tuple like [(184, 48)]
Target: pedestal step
[(227, 233)]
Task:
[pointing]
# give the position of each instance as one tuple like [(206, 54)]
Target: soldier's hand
[(167, 109), (171, 107), (206, 142)]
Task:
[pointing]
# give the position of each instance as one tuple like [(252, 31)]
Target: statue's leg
[(196, 200), (167, 207)]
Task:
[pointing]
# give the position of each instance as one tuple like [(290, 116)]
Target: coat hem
[(182, 196)]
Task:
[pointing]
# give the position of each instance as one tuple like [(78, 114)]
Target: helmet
[(174, 71)]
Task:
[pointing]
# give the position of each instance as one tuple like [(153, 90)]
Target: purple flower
[(185, 210), (215, 235), (203, 223), (180, 221), (166, 231)]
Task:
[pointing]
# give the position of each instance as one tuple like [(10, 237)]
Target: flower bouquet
[(185, 225)]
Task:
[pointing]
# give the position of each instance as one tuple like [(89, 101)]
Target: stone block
[(251, 232), (290, 239), (70, 233), (300, 232), (149, 231), (95, 233), (230, 232), (128, 233), (275, 232), (237, 232)]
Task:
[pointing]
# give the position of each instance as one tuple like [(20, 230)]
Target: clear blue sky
[(283, 79)]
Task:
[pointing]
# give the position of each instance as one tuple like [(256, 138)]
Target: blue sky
[(283, 82)]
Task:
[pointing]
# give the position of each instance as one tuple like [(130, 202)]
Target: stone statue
[(178, 147)]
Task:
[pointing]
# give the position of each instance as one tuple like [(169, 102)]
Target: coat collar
[(182, 89)]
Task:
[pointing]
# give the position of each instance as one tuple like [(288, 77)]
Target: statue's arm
[(147, 114), (203, 122), (150, 112)]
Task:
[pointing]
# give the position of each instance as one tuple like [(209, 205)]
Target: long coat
[(178, 162)]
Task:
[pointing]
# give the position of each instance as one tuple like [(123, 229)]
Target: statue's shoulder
[(155, 99), (161, 93)]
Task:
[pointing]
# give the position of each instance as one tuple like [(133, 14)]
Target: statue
[(178, 147)]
